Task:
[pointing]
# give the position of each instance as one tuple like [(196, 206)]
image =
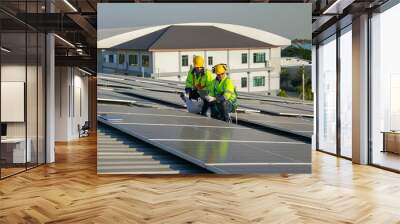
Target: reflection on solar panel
[(119, 153), (274, 108), (294, 125), (212, 144)]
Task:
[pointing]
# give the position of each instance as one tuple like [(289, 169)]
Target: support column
[(100, 60), (50, 98), (360, 90), (314, 90), (92, 101)]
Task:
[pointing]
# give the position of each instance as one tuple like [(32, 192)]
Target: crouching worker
[(198, 79), (222, 95)]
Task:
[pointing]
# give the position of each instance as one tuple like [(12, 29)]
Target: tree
[(297, 51), (284, 79), (282, 93), (308, 94), (297, 80)]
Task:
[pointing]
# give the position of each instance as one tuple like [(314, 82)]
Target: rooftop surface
[(192, 37)]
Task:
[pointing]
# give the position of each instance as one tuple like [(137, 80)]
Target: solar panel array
[(209, 143), (301, 126)]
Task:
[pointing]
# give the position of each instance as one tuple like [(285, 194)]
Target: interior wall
[(62, 81), (14, 73), (71, 102)]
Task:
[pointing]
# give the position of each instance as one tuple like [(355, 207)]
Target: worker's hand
[(209, 98), (188, 90), (220, 98), (184, 96)]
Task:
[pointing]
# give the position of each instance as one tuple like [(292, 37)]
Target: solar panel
[(105, 94), (212, 144), (300, 126), (295, 125), (277, 108)]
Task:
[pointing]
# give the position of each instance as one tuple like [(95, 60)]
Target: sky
[(292, 20)]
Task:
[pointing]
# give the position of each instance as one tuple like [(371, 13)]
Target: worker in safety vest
[(222, 95), (198, 79)]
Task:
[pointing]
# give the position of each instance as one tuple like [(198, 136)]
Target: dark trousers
[(194, 95), (221, 110)]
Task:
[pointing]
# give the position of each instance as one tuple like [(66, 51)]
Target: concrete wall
[(33, 126), (166, 62), (275, 64)]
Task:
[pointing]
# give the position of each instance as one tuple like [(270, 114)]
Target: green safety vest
[(224, 87), (199, 82)]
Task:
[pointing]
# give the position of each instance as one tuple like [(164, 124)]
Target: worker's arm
[(189, 82), (211, 90), (189, 79), (229, 89), (209, 81)]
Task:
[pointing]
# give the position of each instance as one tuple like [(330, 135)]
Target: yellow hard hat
[(198, 61), (219, 69)]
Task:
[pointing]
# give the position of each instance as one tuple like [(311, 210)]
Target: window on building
[(244, 58), (185, 60), (243, 82), (104, 58), (111, 58), (258, 57), (133, 60), (258, 81), (121, 59), (145, 60), (210, 61)]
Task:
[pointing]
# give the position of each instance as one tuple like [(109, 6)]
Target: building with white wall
[(253, 56)]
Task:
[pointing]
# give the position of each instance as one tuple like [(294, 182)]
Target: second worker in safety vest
[(198, 79), (222, 94)]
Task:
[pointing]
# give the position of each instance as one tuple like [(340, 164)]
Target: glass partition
[(327, 95), (14, 153), (385, 89), (41, 97), (31, 98), (22, 77), (346, 92)]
